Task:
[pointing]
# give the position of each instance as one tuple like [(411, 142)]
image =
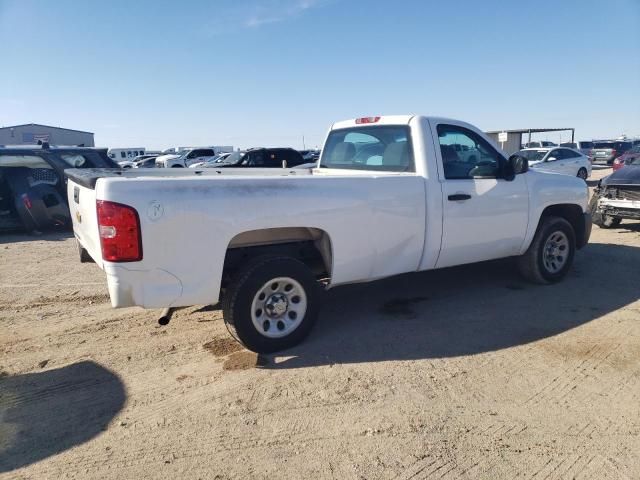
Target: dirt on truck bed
[(462, 373)]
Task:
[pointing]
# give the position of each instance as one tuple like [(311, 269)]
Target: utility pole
[(303, 145)]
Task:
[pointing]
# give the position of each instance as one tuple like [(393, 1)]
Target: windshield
[(380, 148), (234, 158), (533, 155)]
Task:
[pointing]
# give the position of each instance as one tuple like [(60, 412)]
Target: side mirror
[(516, 165)]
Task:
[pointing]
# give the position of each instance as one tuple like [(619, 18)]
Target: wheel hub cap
[(556, 252), (276, 305)]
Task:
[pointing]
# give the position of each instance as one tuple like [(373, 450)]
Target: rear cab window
[(385, 148)]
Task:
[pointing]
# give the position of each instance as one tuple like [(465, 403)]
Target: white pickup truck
[(390, 195)]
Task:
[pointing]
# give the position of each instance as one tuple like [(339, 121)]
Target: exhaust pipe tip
[(165, 316)]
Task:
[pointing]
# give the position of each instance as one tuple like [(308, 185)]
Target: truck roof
[(385, 120)]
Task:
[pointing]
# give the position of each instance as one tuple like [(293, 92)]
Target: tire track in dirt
[(568, 380)]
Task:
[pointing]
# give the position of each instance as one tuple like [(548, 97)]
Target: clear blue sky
[(247, 73)]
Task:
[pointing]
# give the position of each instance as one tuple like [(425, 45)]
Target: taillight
[(119, 228), (613, 152), (360, 121), (26, 201)]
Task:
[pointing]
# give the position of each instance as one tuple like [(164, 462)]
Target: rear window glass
[(623, 146), (380, 148), (533, 155), (585, 144), (28, 161)]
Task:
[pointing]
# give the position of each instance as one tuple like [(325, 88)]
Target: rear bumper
[(145, 288), (602, 160)]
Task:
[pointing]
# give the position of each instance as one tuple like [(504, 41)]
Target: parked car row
[(603, 152)]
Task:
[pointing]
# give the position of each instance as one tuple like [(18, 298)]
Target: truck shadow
[(51, 236), (45, 413), (464, 310)]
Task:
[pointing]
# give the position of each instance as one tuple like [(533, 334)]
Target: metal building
[(32, 133), (513, 139)]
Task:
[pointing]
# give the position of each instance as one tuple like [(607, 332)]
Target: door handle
[(459, 196)]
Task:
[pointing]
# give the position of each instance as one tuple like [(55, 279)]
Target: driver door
[(484, 215)]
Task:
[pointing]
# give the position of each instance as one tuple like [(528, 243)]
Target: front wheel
[(608, 221), (271, 304), (550, 255)]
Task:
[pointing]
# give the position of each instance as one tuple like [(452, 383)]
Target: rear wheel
[(271, 304), (583, 174), (550, 255)]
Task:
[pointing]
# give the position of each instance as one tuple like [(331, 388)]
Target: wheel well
[(571, 213), (312, 246)]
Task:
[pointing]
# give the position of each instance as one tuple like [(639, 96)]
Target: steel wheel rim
[(555, 252), (278, 307)]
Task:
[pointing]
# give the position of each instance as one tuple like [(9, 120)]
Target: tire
[(583, 174), (177, 166), (83, 254), (267, 322), (541, 266), (608, 221)]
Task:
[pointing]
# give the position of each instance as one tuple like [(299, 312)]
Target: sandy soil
[(462, 373)]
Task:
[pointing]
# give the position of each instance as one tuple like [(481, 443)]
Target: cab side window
[(466, 155)]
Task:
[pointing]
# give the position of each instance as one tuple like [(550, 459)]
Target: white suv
[(186, 158)]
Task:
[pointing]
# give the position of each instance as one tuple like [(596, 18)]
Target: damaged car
[(33, 185), (617, 197)]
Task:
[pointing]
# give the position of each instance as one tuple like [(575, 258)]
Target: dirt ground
[(462, 373)]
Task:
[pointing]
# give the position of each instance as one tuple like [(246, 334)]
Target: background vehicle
[(617, 196), (121, 154), (540, 144), (390, 196), (628, 158), (186, 158), (262, 158), (211, 163), (583, 146), (148, 162), (32, 184), (310, 155), (606, 151), (558, 160)]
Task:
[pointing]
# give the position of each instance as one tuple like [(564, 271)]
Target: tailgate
[(82, 206)]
